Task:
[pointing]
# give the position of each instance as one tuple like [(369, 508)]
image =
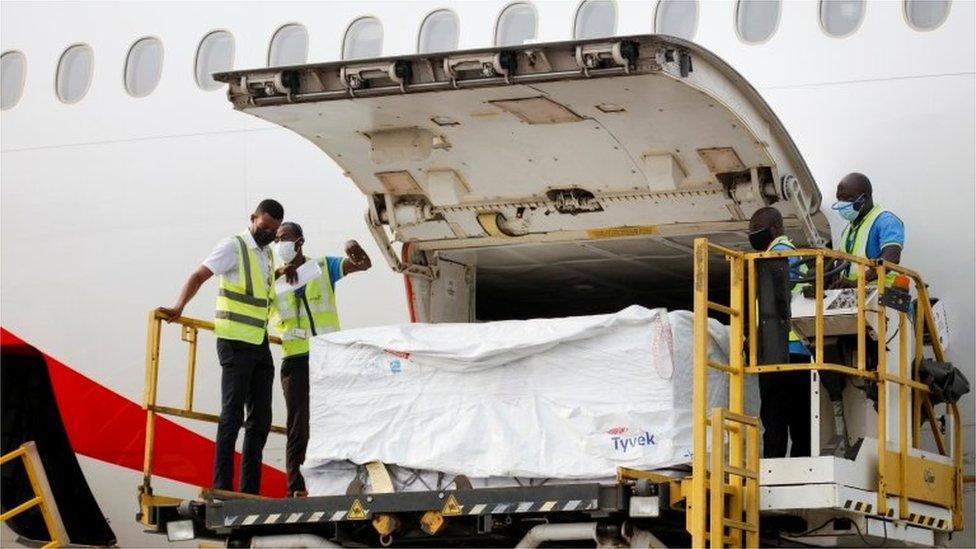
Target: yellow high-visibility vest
[(857, 244), (243, 306), (296, 320)]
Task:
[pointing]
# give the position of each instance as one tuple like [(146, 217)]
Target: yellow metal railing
[(738, 495), (42, 499), (189, 332)]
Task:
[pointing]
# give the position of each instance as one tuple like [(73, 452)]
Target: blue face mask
[(848, 210)]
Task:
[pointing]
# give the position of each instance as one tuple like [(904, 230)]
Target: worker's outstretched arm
[(197, 278), (356, 258)]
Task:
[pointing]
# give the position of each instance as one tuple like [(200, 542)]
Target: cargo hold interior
[(577, 278)]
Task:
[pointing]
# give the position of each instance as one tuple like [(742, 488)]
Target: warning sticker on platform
[(356, 511), (616, 232), (451, 507)]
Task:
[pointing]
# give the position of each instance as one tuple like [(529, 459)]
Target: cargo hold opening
[(579, 278)]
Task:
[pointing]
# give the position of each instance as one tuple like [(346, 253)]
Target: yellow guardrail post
[(882, 375), (190, 336), (43, 497), (697, 503), (861, 319), (736, 389), (819, 322), (149, 398), (716, 523), (903, 415), (917, 396), (753, 316)]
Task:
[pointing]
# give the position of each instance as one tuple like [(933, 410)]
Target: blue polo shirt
[(335, 269), (888, 230)]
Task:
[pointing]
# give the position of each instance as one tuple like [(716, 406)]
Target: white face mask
[(286, 251)]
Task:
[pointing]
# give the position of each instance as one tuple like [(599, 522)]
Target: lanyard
[(300, 295)]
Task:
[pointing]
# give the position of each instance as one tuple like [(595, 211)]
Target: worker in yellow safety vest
[(244, 264), (785, 396), (300, 313), (872, 232)]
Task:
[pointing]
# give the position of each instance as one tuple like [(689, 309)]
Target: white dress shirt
[(223, 259)]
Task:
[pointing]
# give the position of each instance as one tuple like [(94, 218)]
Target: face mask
[(760, 239), (286, 251), (263, 237), (848, 210)]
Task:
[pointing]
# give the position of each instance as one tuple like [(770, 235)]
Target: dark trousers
[(245, 384), (294, 381), (785, 411)]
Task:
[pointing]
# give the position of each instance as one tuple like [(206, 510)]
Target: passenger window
[(756, 20), (143, 66), (517, 25), (13, 74), (595, 19), (840, 18), (676, 18), (214, 54), (364, 38), (926, 15), (289, 46), (438, 32), (75, 73)]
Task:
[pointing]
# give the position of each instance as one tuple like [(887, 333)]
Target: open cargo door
[(598, 141)]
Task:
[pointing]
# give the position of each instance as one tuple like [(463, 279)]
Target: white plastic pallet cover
[(549, 398)]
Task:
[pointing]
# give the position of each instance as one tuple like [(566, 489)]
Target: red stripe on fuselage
[(104, 425)]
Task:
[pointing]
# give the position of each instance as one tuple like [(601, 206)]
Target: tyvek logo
[(617, 430), (623, 444)]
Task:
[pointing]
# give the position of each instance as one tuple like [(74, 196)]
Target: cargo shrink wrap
[(563, 398)]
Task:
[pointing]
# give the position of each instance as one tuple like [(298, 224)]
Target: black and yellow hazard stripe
[(914, 518)]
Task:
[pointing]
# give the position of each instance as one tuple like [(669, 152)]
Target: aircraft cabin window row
[(289, 46), (595, 19), (143, 66), (840, 18), (364, 39), (676, 18), (925, 15), (214, 54), (439, 32), (756, 21), (74, 74), (517, 24), (13, 73)]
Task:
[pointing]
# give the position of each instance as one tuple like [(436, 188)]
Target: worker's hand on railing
[(170, 313)]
